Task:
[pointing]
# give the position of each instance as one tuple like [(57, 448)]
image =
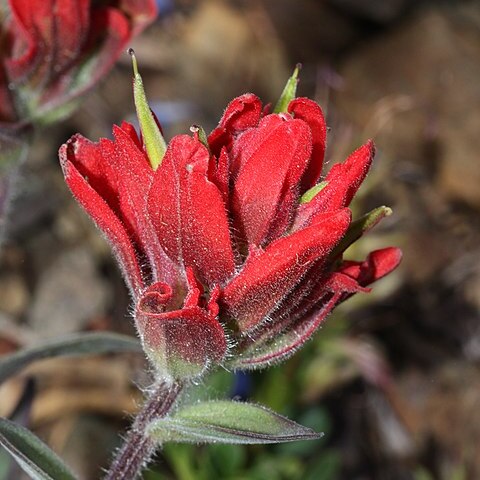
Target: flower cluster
[(54, 50), (231, 244)]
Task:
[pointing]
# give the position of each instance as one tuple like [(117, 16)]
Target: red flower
[(231, 248), (55, 50)]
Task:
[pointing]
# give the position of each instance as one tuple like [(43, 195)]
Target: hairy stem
[(138, 448)]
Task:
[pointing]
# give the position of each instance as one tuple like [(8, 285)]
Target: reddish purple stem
[(138, 448)]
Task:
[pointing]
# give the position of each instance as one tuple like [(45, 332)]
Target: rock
[(14, 294), (446, 412), (223, 51), (414, 90), (68, 294)]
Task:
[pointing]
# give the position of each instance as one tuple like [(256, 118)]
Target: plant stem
[(138, 448)]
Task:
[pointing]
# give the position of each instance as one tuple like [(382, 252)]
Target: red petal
[(135, 177), (267, 162), (309, 295), (114, 170), (268, 277), (340, 283), (181, 342), (221, 175), (25, 47), (241, 113), (283, 336), (188, 212), (62, 40), (286, 344), (343, 181), (140, 12), (109, 34), (129, 129), (311, 113), (378, 264), (104, 217), (288, 331), (96, 162), (54, 29), (121, 175), (282, 219)]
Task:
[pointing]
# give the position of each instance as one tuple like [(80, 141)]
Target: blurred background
[(393, 377)]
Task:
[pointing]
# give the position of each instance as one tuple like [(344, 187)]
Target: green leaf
[(361, 226), (79, 344), (152, 136), (288, 93), (34, 457), (5, 464), (224, 421), (315, 418)]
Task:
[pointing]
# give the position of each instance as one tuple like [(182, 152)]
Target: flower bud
[(183, 343)]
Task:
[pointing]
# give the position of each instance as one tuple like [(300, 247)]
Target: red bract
[(55, 50), (232, 250)]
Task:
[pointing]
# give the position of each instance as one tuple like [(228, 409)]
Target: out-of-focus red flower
[(232, 247), (52, 51)]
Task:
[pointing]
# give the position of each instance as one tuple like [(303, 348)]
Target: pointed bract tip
[(200, 135), (154, 142), (131, 52), (371, 145), (296, 72), (289, 92)]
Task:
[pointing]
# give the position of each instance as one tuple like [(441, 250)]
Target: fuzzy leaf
[(79, 344), (34, 457), (226, 421)]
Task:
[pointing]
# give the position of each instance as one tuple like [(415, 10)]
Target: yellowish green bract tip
[(201, 134), (131, 52), (153, 140), (310, 194), (289, 91)]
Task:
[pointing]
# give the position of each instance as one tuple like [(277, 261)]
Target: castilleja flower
[(232, 245), (52, 51)]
